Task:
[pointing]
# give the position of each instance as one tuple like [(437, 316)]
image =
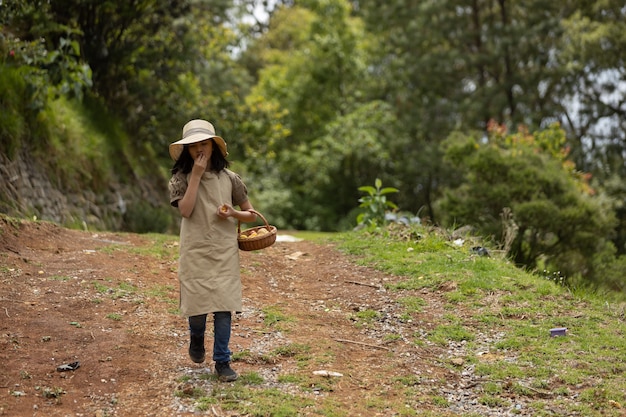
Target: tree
[(559, 221), (154, 63), (315, 71), (454, 65), (594, 39)]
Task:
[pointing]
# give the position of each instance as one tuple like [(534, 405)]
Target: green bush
[(142, 217)]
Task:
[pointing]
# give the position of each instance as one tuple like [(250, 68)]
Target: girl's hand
[(200, 164), (225, 211)]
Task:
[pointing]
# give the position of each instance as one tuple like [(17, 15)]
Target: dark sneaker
[(224, 372), (196, 348)]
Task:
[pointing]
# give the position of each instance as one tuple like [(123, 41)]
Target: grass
[(274, 317), (161, 246), (81, 147), (318, 237), (496, 297)]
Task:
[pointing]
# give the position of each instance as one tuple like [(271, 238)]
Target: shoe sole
[(232, 378), (196, 359)]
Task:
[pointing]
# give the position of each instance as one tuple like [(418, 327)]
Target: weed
[(55, 392), (291, 379), (375, 204), (412, 304), (492, 401), (272, 315), (163, 293), (365, 317), (492, 388), (260, 402), (440, 401), (455, 332), (291, 350), (251, 378), (190, 392), (392, 337), (101, 288), (59, 278), (205, 403)]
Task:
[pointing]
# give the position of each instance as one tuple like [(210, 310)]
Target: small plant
[(455, 332), (375, 204), (394, 337), (55, 392), (251, 378), (412, 304), (102, 289), (492, 402), (273, 315), (205, 403), (291, 350), (162, 293), (291, 379), (367, 315), (190, 392), (59, 278), (440, 401)]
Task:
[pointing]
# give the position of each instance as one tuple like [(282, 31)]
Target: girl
[(206, 194)]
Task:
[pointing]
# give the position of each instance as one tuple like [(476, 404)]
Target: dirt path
[(97, 298)]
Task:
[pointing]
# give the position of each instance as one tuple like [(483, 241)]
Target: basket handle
[(258, 214)]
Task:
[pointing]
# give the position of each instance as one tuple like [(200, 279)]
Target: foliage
[(14, 112), (450, 65), (375, 204), (82, 149), (595, 76), (46, 52), (326, 94), (559, 222), (151, 61), (332, 139), (142, 217), (615, 189)]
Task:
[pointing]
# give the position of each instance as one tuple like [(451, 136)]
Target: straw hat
[(196, 131)]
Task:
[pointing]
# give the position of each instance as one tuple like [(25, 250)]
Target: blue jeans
[(221, 333)]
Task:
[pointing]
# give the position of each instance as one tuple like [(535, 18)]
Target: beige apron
[(208, 270)]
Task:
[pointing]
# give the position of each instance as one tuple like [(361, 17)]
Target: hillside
[(76, 167), (108, 300)]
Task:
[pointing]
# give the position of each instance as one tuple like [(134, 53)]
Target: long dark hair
[(184, 162)]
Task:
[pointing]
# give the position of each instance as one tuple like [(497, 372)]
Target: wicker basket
[(259, 241)]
